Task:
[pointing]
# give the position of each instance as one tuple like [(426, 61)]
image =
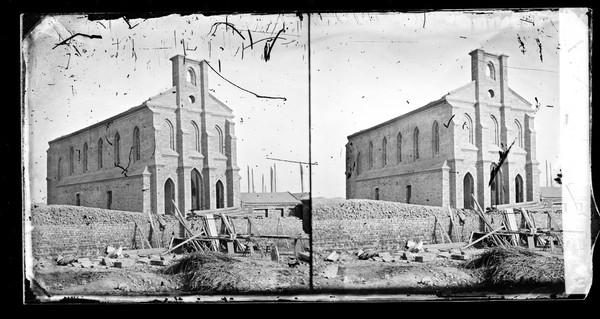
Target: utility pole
[(263, 182), (248, 166), (290, 161), (301, 179)]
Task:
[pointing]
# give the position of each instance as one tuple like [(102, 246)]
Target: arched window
[(71, 158), (191, 76), (196, 136), (100, 145), (384, 151), (495, 131), (519, 133), (171, 135), (358, 164), (399, 148), (490, 71), (370, 154), (468, 125), (220, 139), (435, 138), (136, 143), (117, 149), (416, 143), (85, 157), (59, 169)]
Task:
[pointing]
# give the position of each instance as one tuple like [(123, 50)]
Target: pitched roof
[(269, 198)]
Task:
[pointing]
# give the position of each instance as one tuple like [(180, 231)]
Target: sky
[(369, 68), (365, 69), (70, 87)]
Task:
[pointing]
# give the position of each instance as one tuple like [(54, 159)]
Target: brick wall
[(63, 229), (354, 224)]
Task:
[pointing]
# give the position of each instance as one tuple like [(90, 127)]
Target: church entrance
[(196, 189), (518, 189), (468, 189), (169, 197), (220, 195)]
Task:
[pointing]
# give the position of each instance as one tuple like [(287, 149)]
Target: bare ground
[(143, 279), (438, 273)]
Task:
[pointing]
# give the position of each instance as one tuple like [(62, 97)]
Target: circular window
[(491, 93), (191, 99)]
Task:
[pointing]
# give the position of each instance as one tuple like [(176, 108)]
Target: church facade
[(178, 146), (441, 153)]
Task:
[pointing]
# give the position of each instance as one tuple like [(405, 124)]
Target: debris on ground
[(334, 256), (516, 265)]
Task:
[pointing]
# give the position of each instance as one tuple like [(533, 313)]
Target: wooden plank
[(184, 242), (137, 228), (182, 221), (483, 237), (511, 224), (496, 239), (518, 205), (211, 229)]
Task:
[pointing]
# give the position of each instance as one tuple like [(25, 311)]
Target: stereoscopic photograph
[(308, 156)]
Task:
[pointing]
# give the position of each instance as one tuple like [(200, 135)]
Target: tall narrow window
[(136, 143), (117, 148), (59, 169), (435, 138), (376, 193), (85, 157), (495, 131), (468, 125), (416, 143), (384, 151), (519, 133), (77, 200), (408, 194), (191, 76), (220, 139), (399, 148), (100, 145), (71, 158), (490, 71), (196, 136), (171, 135), (370, 154)]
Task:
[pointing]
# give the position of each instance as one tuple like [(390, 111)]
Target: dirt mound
[(514, 265)]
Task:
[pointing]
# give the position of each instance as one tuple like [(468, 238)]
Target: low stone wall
[(84, 231), (354, 224)]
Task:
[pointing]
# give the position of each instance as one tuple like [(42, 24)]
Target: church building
[(178, 146), (441, 153)]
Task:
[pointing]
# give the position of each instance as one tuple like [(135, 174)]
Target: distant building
[(272, 205), (551, 195), (179, 146), (443, 152)]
